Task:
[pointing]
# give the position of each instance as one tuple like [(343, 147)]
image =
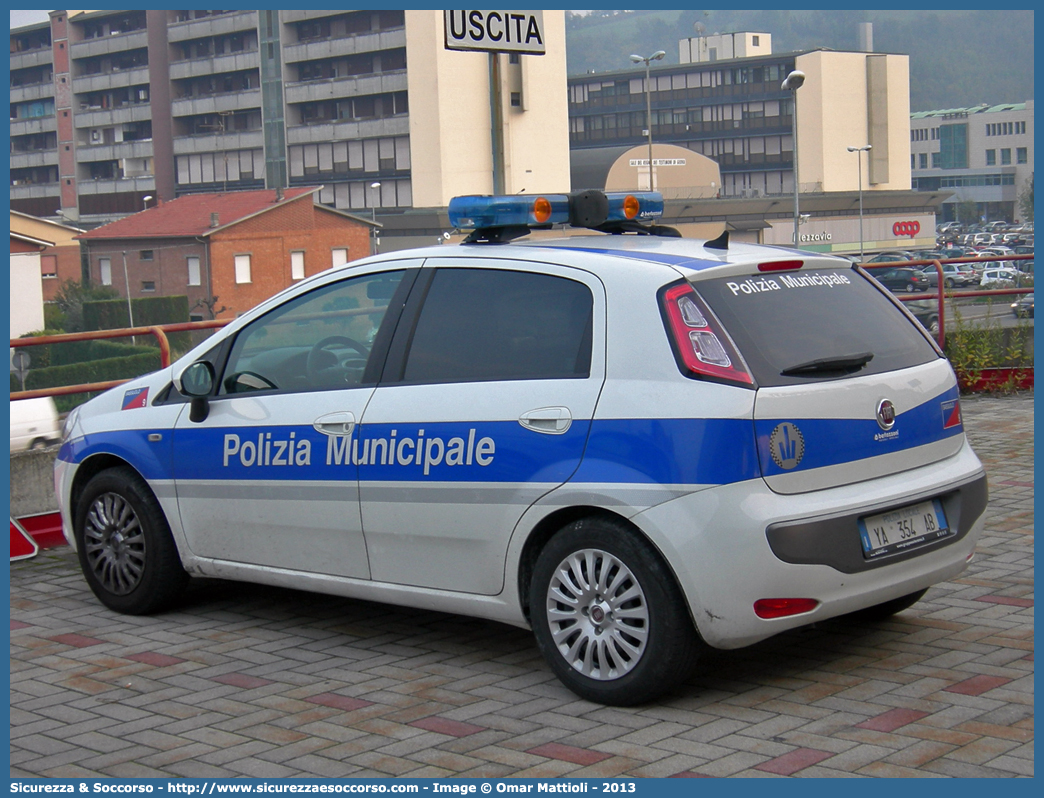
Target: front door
[(268, 478)]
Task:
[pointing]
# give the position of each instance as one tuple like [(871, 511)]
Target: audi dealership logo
[(911, 229)]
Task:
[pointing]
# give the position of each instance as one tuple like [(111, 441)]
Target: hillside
[(952, 63)]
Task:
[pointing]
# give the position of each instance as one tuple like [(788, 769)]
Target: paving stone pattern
[(255, 681)]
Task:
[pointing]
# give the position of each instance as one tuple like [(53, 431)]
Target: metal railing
[(941, 294), (158, 331)]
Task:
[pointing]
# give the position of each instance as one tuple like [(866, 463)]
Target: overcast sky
[(20, 18)]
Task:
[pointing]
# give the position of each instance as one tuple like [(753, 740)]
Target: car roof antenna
[(721, 242)]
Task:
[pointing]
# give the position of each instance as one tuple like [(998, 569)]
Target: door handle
[(340, 423), (548, 420)]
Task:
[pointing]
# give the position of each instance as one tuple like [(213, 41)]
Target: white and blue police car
[(640, 446)]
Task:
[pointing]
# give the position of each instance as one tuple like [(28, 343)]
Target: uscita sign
[(495, 31)]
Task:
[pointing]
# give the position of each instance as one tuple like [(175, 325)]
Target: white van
[(34, 423)]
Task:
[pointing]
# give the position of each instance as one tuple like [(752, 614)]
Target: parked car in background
[(34, 424), (998, 278), (1023, 307), (901, 279), (890, 257), (955, 275), (926, 311)]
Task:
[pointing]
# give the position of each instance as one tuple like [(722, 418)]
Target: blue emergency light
[(498, 218)]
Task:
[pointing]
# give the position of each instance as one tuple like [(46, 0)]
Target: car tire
[(948, 283), (622, 649), (933, 326), (124, 544), (38, 443), (885, 610)]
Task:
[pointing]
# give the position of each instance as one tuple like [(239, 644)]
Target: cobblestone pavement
[(255, 681)]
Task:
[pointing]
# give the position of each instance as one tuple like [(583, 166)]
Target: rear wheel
[(608, 615), (909, 288), (884, 611), (126, 551)]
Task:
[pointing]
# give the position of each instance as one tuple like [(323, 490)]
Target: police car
[(640, 446)]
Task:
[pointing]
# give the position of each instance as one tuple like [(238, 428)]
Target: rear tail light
[(783, 607), (700, 341)]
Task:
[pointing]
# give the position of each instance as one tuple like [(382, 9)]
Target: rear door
[(849, 386), (484, 407)]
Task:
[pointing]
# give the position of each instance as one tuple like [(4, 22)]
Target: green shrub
[(111, 314), (113, 368)]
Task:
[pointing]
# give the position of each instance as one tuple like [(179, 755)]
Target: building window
[(1006, 156), (924, 160), (991, 157), (148, 286), (755, 41), (297, 269), (516, 99), (339, 257), (936, 160), (48, 266), (193, 270), (105, 270), (1021, 155), (242, 269), (145, 254)]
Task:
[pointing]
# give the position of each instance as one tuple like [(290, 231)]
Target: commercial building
[(724, 101), (982, 154), (112, 110)]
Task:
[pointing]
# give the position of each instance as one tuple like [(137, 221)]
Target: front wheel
[(608, 615), (124, 545)]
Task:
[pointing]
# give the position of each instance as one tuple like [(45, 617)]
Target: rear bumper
[(733, 545)]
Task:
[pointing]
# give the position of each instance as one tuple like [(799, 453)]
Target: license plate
[(903, 529)]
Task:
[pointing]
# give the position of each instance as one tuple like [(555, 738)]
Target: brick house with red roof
[(226, 252)]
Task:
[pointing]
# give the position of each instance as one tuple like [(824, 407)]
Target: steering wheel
[(324, 367)]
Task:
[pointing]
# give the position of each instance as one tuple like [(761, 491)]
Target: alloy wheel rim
[(114, 544), (598, 614)]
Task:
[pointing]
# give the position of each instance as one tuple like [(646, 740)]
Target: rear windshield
[(805, 326)]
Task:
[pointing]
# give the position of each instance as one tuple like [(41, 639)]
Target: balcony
[(212, 26), (337, 88), (114, 43), (124, 184), (115, 79), (201, 67), (31, 92), (26, 160), (246, 140), (36, 124), (31, 58), (86, 153), (37, 191), (98, 117), (330, 48), (217, 103), (342, 130)]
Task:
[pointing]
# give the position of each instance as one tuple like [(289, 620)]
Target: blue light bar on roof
[(478, 212), (589, 208)]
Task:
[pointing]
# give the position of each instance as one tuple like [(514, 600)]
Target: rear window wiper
[(827, 364)]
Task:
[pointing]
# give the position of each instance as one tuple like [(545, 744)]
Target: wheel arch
[(546, 528), (89, 468)]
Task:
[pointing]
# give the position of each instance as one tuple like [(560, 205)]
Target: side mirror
[(197, 383)]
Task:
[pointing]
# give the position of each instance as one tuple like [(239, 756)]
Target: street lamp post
[(659, 54), (859, 160), (793, 82), (145, 201), (373, 215)]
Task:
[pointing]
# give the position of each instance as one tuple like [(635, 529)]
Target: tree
[(1026, 200), (70, 298), (967, 212)]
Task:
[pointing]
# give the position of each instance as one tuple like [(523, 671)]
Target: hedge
[(111, 314), (113, 368)]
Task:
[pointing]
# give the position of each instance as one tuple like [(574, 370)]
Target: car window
[(320, 340), (491, 324)]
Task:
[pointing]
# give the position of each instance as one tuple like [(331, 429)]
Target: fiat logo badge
[(885, 414)]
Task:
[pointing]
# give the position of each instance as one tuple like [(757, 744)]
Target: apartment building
[(983, 154), (732, 109), (114, 110)]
